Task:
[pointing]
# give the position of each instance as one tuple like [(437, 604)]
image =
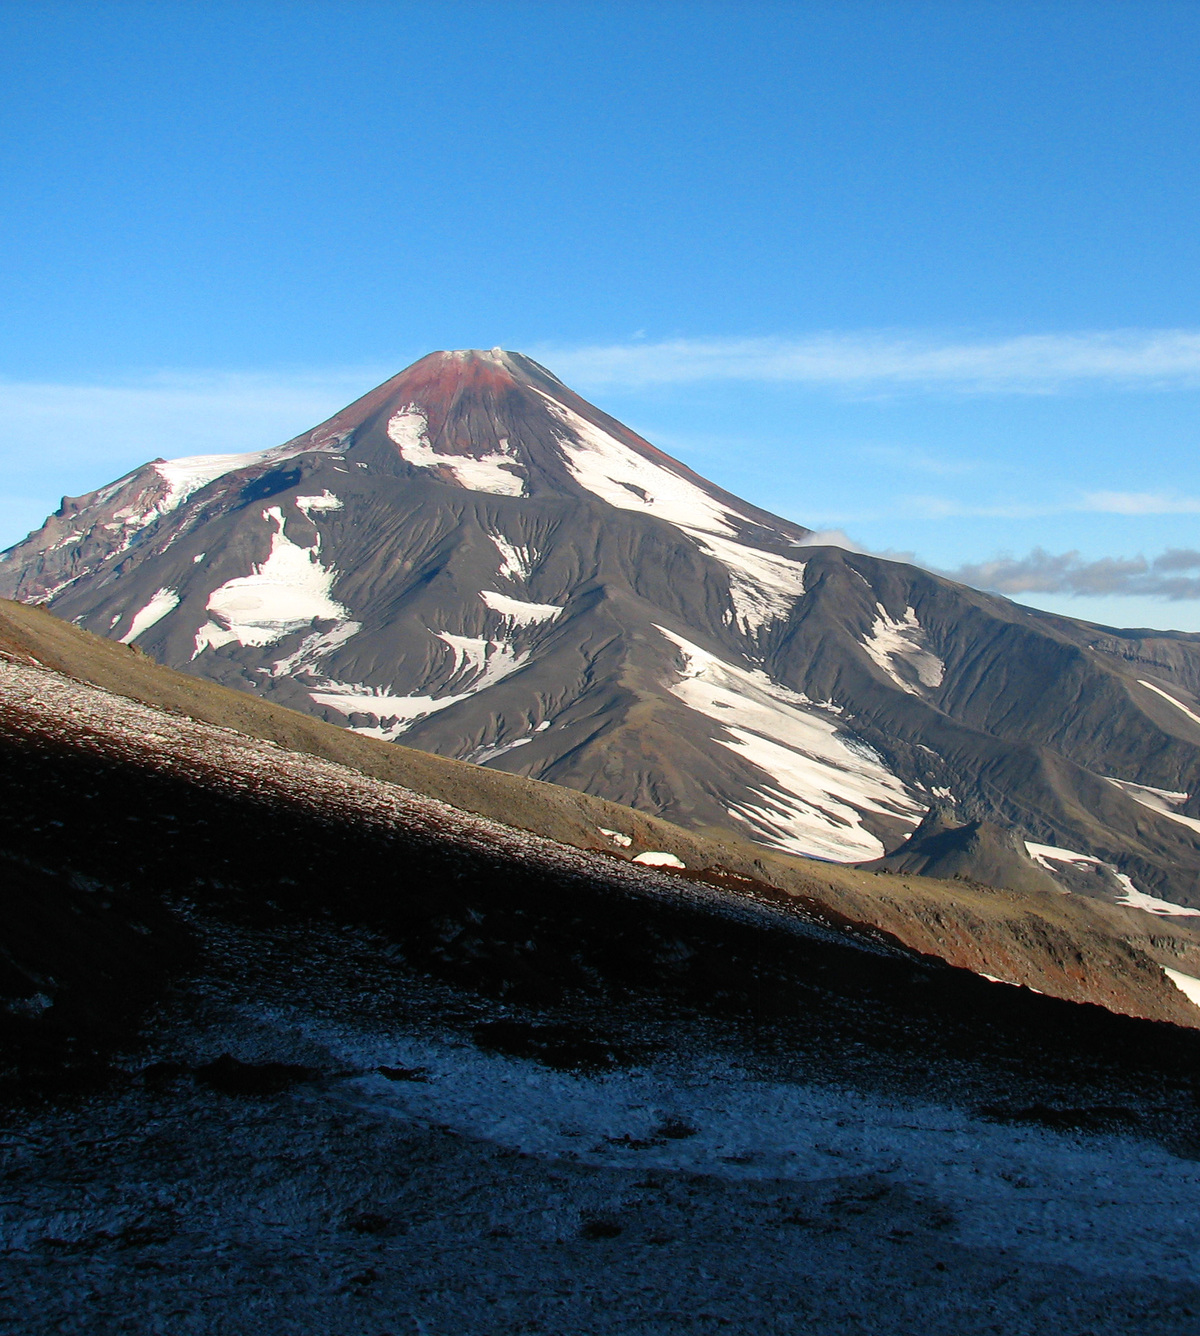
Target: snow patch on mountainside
[(191, 474), (1151, 903), (612, 471), (390, 715), (470, 652), (63, 542), (658, 858), (325, 502), (1162, 801), (152, 492), (482, 755), (823, 782), (518, 611), (515, 562), (162, 602), (1047, 855), (900, 642), (1179, 705), (408, 431), (314, 647), (186, 476), (481, 663), (288, 592), (132, 518), (1186, 983), (763, 585)]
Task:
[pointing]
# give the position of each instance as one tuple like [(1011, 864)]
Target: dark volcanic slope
[(1072, 946), (475, 560), (117, 816)]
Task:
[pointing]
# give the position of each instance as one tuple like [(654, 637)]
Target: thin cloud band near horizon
[(1163, 359), (1029, 363)]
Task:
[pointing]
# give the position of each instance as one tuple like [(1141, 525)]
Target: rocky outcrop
[(977, 851)]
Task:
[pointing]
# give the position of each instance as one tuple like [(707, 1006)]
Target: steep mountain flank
[(1073, 946), (473, 559)]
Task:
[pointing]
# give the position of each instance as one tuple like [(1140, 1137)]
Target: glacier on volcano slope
[(1179, 705), (184, 477), (325, 501), (516, 562), (287, 592), (821, 782), (408, 431), (478, 664), (1047, 855), (894, 641), (313, 648), (520, 611), (1162, 801), (763, 585), (162, 602)]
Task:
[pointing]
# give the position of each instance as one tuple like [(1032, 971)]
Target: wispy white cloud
[(1031, 364), (1141, 503), (934, 507), (122, 424), (833, 538), (949, 508)]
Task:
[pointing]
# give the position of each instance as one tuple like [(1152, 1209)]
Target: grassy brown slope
[(1063, 945)]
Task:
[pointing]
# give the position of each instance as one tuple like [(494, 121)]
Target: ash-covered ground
[(310, 1137)]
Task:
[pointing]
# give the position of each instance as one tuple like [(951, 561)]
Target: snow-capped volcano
[(497, 422), (474, 560)]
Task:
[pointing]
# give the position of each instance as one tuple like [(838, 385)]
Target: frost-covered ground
[(702, 1180)]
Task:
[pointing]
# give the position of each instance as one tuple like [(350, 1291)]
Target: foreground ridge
[(409, 1058), (1072, 947)]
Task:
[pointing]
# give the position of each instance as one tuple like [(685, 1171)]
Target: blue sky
[(927, 274)]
